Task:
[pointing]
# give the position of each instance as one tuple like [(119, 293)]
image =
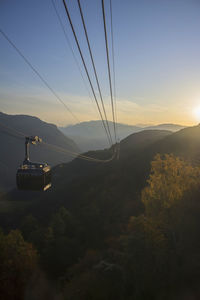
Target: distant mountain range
[(12, 145), (91, 135)]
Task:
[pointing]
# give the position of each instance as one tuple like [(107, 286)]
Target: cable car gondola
[(30, 175)]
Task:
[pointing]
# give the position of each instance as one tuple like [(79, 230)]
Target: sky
[(157, 60)]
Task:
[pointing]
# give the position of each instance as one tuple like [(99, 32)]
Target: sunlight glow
[(196, 112)]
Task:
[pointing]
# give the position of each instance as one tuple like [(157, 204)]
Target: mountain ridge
[(117, 184), (90, 135), (12, 129)]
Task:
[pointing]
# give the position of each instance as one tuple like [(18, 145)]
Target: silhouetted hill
[(184, 143), (100, 198), (79, 182), (12, 144), (171, 127), (141, 140), (126, 176), (91, 135), (93, 217)]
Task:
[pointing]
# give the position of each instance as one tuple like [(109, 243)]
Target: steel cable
[(94, 68), (86, 70), (18, 134), (109, 72), (38, 74)]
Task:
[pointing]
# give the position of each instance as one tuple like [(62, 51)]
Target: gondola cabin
[(33, 176)]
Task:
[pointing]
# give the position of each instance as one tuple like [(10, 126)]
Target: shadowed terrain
[(12, 145)]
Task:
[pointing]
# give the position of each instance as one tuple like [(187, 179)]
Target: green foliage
[(18, 260), (60, 248), (107, 236), (29, 225), (95, 278), (144, 258), (159, 245), (170, 178)]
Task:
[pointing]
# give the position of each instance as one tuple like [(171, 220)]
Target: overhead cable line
[(109, 72), (18, 134), (113, 63), (12, 132), (77, 155), (70, 47), (38, 74), (94, 68), (86, 70), (114, 79)]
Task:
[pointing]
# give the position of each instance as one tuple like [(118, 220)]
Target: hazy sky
[(157, 54)]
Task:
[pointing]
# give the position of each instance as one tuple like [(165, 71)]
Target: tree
[(28, 226), (170, 178), (144, 249), (159, 246), (60, 246), (18, 260)]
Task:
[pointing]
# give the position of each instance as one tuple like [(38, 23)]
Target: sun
[(196, 112)]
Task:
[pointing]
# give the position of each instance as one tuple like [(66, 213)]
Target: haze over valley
[(91, 136)]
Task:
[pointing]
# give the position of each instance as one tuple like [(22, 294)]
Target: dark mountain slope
[(12, 145), (167, 126), (100, 199), (141, 140), (184, 143), (80, 182), (129, 147), (117, 184), (126, 177)]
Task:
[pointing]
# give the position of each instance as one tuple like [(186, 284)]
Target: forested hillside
[(12, 129), (128, 229)]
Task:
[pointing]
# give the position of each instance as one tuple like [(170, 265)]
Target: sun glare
[(196, 112)]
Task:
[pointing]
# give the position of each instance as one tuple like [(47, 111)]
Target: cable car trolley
[(30, 175)]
